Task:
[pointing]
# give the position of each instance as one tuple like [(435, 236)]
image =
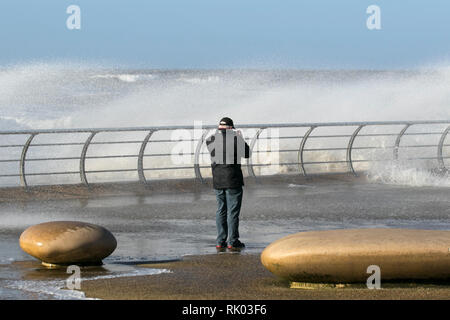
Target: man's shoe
[(221, 246), (236, 246)]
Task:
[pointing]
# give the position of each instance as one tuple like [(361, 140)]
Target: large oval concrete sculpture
[(68, 242), (343, 256)]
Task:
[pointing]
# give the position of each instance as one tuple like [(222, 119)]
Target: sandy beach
[(239, 276)]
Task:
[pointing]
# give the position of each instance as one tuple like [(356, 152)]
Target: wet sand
[(171, 219), (239, 276)]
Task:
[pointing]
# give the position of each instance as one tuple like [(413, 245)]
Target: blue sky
[(228, 33)]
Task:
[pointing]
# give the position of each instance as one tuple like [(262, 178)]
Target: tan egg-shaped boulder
[(68, 242), (343, 256)]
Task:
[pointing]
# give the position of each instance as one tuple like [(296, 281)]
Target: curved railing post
[(300, 150), (440, 147), (349, 150), (397, 141), (251, 172), (140, 165), (23, 179), (83, 158), (198, 174)]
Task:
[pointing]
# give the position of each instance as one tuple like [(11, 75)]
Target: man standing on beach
[(227, 147)]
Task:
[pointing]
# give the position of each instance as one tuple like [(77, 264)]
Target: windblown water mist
[(65, 95)]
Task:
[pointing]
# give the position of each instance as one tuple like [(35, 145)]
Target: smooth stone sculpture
[(343, 256), (68, 242)]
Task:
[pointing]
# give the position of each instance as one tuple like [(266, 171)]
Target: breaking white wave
[(52, 95), (37, 94), (206, 80), (404, 174), (27, 123), (125, 77)]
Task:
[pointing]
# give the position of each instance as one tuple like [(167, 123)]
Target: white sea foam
[(57, 288), (6, 260), (293, 185)]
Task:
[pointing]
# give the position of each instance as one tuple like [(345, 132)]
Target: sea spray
[(406, 174), (74, 95)]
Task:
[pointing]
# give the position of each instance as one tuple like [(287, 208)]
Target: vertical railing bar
[(198, 174), (140, 165), (23, 179), (83, 158), (252, 145), (397, 141), (440, 147), (300, 150), (349, 150)]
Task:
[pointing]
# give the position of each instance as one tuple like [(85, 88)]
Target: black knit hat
[(226, 122)]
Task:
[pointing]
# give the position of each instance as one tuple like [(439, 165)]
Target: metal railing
[(143, 144)]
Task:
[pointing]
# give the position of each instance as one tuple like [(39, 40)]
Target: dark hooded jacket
[(227, 148)]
